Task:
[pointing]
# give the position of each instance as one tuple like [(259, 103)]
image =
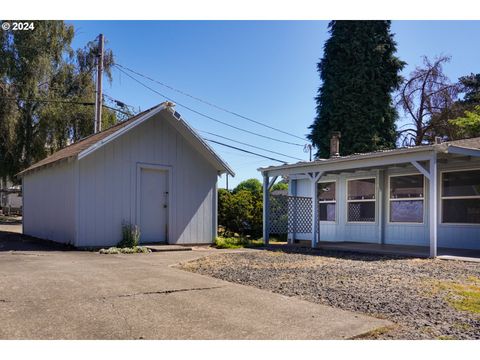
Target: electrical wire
[(85, 103), (246, 151), (209, 103), (253, 146), (206, 116)]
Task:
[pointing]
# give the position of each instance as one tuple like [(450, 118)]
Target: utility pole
[(98, 93), (226, 181)]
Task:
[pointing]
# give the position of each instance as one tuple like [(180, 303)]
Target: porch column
[(432, 201), (266, 209), (314, 177), (292, 222)]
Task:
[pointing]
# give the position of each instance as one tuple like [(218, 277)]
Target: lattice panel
[(278, 214), (290, 214), (299, 214)]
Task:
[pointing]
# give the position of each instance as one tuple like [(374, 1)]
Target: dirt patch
[(423, 297)]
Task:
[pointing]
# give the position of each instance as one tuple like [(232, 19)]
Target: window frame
[(441, 197), (329, 202), (389, 200), (361, 200)]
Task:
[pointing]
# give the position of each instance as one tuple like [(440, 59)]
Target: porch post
[(433, 205), (266, 209), (314, 213), (314, 177)]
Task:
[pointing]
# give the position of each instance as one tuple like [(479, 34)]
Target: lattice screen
[(290, 214)]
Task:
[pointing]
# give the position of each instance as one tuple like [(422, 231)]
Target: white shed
[(152, 170)]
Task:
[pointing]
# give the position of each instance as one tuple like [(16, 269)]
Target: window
[(461, 197), (361, 200), (406, 198), (326, 201)]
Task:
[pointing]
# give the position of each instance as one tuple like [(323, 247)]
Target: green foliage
[(469, 125), (130, 236), (254, 186), (236, 242), (38, 68), (471, 88), (359, 71), (240, 211), (126, 250), (280, 186), (457, 119)]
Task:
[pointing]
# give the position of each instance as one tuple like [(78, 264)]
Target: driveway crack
[(165, 292)]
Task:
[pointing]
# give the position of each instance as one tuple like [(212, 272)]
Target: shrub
[(125, 250), (130, 236)]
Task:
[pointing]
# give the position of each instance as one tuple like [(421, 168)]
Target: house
[(152, 170), (425, 197)]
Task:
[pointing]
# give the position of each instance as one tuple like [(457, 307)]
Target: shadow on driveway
[(12, 241)]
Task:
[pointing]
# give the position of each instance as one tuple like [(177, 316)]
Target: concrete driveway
[(46, 293)]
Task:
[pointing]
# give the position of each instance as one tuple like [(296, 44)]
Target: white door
[(153, 205)]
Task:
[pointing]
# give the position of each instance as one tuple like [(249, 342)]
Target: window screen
[(461, 197), (361, 189), (326, 201), (406, 198), (361, 200)]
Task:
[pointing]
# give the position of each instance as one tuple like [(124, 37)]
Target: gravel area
[(416, 294)]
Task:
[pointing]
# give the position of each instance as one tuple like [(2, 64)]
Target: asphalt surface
[(50, 292)]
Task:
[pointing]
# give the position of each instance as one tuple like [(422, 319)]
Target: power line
[(210, 104), (246, 151), (253, 146), (85, 103), (206, 116)]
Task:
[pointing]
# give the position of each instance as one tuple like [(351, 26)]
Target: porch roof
[(464, 147)]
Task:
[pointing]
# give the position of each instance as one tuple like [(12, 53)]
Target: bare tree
[(428, 92)]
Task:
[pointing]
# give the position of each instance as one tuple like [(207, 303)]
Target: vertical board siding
[(49, 206), (108, 185), (449, 236)]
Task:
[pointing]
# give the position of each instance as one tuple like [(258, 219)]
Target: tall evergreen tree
[(359, 72)]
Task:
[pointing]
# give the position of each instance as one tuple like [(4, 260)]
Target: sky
[(263, 70)]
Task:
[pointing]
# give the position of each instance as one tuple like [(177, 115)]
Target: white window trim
[(361, 200), (329, 202), (389, 222), (440, 212)]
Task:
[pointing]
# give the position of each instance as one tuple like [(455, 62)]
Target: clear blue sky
[(263, 70)]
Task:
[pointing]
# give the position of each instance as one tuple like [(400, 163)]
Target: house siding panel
[(49, 203), (449, 236), (108, 185)]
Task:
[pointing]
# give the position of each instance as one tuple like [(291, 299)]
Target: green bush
[(236, 242), (130, 236)]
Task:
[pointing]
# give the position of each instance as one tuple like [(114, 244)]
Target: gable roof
[(472, 143), (93, 142)]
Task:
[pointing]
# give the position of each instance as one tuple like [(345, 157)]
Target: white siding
[(108, 180), (49, 203)]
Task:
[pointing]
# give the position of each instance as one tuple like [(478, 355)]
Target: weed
[(125, 250)]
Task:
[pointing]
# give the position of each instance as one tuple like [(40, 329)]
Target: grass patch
[(126, 250), (374, 334), (236, 242), (463, 296)]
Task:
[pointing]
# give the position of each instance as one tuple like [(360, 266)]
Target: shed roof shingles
[(76, 148)]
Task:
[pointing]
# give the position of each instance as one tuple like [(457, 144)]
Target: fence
[(290, 214)]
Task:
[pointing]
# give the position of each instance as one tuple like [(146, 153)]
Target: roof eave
[(334, 161)]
